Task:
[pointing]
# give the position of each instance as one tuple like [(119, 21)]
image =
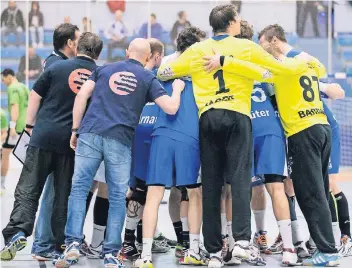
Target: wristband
[(12, 124), (29, 126), (74, 130), (323, 86), (222, 59)]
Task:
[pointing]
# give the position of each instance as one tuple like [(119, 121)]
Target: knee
[(194, 193), (155, 193)]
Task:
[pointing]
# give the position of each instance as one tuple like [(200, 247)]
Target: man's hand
[(178, 85), (212, 63), (29, 130), (305, 57), (73, 141)]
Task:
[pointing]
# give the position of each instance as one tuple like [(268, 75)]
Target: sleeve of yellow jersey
[(261, 57), (177, 68), (318, 66), (246, 69)]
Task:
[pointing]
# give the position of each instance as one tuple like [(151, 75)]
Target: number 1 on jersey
[(220, 76)]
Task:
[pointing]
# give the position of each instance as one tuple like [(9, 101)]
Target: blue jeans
[(91, 150), (44, 240)]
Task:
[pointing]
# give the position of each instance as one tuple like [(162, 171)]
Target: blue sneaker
[(17, 243), (111, 261), (323, 260), (69, 257), (46, 256)]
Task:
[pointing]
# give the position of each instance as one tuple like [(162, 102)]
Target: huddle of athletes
[(235, 112)]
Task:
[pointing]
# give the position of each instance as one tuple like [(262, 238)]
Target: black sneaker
[(171, 243), (129, 251)]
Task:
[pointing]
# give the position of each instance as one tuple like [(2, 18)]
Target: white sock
[(194, 242), (147, 247), (337, 233), (296, 234), (98, 235), (243, 243), (311, 242), (157, 232), (184, 221), (286, 233), (223, 224), (229, 232), (3, 178), (131, 223), (259, 216), (217, 254)]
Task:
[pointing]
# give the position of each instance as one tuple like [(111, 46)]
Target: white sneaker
[(240, 252), (215, 262), (290, 258), (145, 262), (231, 260), (345, 250)]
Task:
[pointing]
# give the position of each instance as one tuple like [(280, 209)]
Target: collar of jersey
[(135, 62), (220, 37), (60, 54), (85, 58)]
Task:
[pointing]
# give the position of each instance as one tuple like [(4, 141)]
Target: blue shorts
[(257, 180), (335, 155), (172, 163), (269, 156)]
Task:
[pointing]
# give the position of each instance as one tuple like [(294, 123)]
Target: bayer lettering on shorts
[(123, 83), (77, 78)]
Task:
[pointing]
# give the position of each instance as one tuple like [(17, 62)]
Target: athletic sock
[(296, 234), (337, 233), (286, 233), (3, 179), (223, 225), (230, 234), (259, 216), (147, 247), (194, 242), (100, 215), (140, 232), (344, 215), (178, 231), (89, 199), (185, 232)]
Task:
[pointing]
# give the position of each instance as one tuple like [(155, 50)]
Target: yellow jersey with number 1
[(226, 89), (299, 101)]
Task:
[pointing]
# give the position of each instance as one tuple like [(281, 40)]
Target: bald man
[(118, 93), (117, 34)]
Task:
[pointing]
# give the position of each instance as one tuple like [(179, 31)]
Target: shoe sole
[(9, 254), (69, 257), (289, 264), (328, 264), (269, 252), (130, 258), (189, 261), (40, 258)]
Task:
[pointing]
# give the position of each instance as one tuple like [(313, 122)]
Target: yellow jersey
[(227, 89)]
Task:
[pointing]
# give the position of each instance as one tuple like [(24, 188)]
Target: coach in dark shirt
[(49, 149), (118, 93)]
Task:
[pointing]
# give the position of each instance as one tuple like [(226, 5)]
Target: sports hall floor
[(23, 259)]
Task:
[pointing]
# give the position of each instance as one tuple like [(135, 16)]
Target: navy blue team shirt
[(58, 86), (121, 91), (55, 56), (183, 126)]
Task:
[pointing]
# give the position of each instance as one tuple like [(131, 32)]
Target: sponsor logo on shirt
[(151, 120), (310, 112), (77, 79), (224, 98), (123, 83)]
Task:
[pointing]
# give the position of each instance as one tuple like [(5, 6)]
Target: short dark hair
[(156, 46), (63, 33), (271, 31), (7, 72), (181, 13), (221, 16), (153, 15), (188, 37), (90, 44), (246, 31)]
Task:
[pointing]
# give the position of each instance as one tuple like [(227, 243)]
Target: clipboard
[(20, 149)]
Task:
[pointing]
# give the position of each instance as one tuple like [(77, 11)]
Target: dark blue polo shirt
[(55, 56), (58, 87), (121, 91)]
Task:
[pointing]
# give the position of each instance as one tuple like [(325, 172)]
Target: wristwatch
[(74, 130)]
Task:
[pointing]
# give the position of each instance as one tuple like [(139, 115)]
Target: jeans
[(91, 150), (43, 236), (34, 31), (5, 31), (39, 164)]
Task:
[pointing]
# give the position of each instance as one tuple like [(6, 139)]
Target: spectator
[(117, 34), (11, 22), (35, 66), (156, 30), (179, 25), (87, 26), (67, 19), (238, 5), (310, 7), (36, 24)]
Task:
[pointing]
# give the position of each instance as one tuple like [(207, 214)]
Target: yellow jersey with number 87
[(228, 89)]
